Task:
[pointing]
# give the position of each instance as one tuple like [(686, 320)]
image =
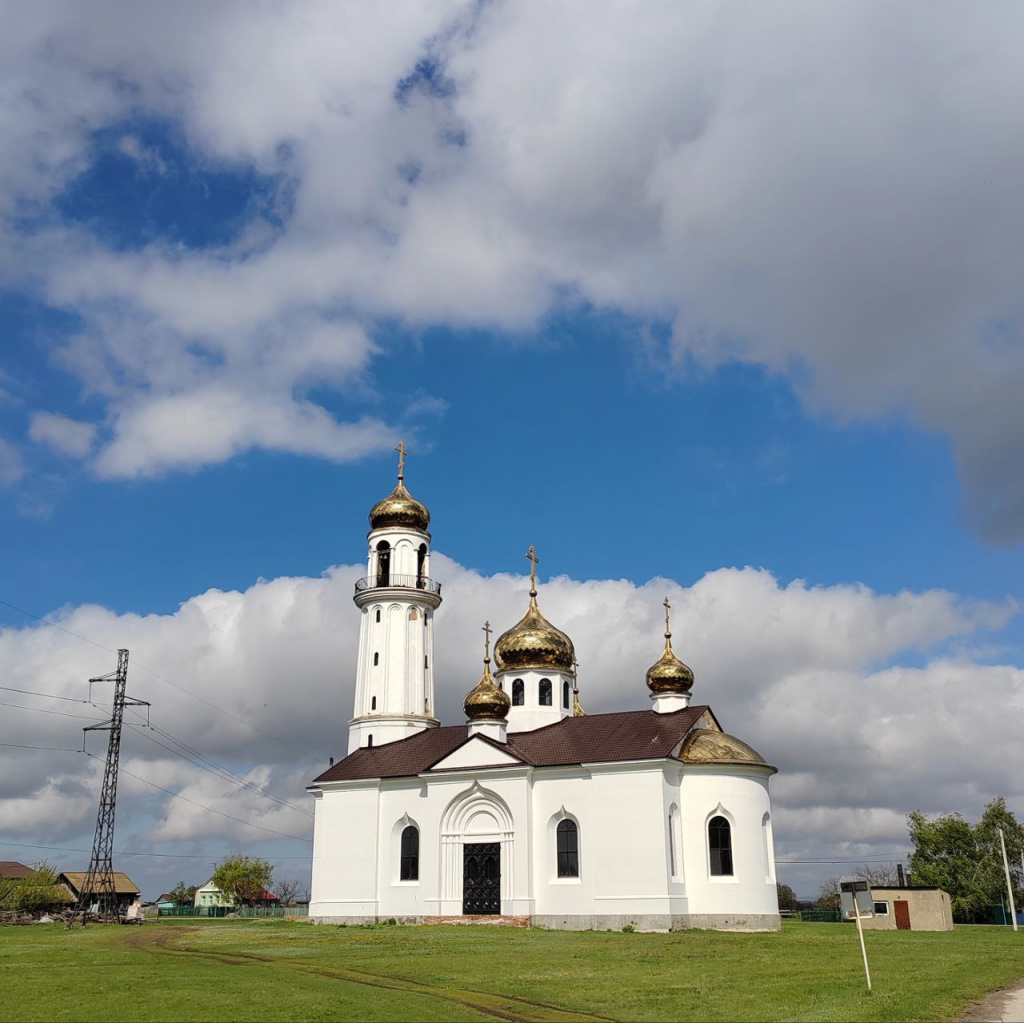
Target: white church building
[(655, 817)]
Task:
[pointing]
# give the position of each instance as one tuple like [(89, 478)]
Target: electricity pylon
[(99, 881)]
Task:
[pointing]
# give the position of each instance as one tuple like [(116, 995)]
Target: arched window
[(373, 703), (518, 693), (376, 660), (410, 864), (565, 694), (720, 844), (545, 692), (369, 741), (421, 561), (383, 563), (568, 846), (378, 614)]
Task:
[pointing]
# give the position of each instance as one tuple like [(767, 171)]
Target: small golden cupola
[(668, 679), (534, 643), (486, 704), (400, 509)]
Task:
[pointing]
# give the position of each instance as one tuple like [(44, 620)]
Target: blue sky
[(686, 298)]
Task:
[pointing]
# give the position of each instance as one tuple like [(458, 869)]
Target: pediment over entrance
[(476, 752)]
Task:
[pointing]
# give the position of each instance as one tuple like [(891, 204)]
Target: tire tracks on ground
[(498, 1006)]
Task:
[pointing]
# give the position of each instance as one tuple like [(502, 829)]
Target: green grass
[(284, 970)]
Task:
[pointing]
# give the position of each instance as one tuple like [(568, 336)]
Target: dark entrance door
[(902, 909), (481, 878)]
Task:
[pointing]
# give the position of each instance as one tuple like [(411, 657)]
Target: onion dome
[(486, 701), (669, 674), (707, 746), (400, 508), (534, 642)]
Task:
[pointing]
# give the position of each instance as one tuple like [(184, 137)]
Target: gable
[(476, 752)]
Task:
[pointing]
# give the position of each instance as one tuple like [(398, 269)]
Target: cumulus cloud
[(860, 698), (63, 434), (12, 468), (829, 193)]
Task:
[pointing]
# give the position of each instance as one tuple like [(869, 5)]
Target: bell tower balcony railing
[(388, 580)]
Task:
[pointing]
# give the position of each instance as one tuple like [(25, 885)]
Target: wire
[(49, 696), (43, 710), (859, 859), (203, 806), (124, 852), (217, 770), (163, 678), (52, 749)]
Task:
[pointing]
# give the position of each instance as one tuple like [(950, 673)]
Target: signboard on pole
[(859, 895)]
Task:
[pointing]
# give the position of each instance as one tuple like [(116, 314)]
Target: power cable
[(203, 806), (170, 856), (48, 696), (43, 710), (170, 682), (217, 770)]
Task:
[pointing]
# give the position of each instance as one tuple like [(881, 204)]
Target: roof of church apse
[(596, 738)]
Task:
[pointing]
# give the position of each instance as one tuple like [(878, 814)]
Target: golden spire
[(534, 642), (401, 460), (669, 674), (400, 508), (534, 561), (577, 710), (486, 701)]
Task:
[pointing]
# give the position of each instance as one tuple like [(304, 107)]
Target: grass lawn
[(286, 970)]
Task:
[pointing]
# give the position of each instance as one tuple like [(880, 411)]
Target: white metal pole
[(860, 932), (1009, 886)]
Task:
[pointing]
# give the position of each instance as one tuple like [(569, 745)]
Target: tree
[(877, 875), (243, 878), (967, 861), (828, 895), (288, 891), (787, 897), (36, 893), (184, 895)]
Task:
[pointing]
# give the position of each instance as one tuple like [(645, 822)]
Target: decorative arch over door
[(475, 818)]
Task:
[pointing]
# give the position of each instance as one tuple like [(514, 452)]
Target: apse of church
[(532, 809)]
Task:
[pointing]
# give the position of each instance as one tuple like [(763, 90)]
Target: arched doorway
[(476, 853)]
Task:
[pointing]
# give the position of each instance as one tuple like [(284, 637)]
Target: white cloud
[(830, 193), (861, 699), (11, 466), (68, 436)]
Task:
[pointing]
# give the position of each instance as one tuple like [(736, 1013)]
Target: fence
[(244, 911), (821, 916)]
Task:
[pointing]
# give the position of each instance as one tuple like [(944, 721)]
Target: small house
[(125, 889), (907, 909), (210, 895), (11, 870)]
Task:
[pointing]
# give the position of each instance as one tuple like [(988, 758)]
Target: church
[(531, 809)]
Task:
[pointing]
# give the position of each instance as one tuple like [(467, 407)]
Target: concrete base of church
[(604, 922)]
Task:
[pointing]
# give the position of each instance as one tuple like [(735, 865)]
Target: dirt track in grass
[(174, 942)]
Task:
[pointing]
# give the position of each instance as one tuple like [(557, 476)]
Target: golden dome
[(669, 674), (400, 508), (486, 701), (706, 746), (534, 642)]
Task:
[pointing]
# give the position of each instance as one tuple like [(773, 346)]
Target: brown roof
[(595, 738), (123, 884), (13, 870)]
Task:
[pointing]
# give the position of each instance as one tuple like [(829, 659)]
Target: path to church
[(169, 941), (1005, 1006)]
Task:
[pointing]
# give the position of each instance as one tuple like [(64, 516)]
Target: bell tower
[(394, 693)]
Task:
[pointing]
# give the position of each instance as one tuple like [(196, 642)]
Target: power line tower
[(99, 881)]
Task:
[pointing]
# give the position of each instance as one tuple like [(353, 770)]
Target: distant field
[(284, 970)]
